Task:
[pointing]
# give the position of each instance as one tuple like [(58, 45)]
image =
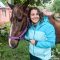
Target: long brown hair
[(35, 8)]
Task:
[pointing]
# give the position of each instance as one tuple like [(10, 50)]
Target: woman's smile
[(34, 16)]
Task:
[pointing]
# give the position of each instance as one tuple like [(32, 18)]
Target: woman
[(41, 35)]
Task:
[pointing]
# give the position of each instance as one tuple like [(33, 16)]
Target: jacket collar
[(40, 23)]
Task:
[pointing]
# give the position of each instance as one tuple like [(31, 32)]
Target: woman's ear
[(10, 5)]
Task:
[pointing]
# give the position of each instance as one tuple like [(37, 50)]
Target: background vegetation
[(21, 52)]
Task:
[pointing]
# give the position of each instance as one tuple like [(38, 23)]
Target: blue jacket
[(44, 33)]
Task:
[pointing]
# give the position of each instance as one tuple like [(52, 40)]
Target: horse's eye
[(19, 19)]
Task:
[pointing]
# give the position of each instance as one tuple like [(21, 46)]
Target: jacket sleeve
[(50, 41)]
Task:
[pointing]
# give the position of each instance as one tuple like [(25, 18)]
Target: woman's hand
[(32, 42), (47, 12)]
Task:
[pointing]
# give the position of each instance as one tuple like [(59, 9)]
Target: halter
[(22, 33), (19, 37)]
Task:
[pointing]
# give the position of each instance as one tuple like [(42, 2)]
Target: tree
[(32, 2)]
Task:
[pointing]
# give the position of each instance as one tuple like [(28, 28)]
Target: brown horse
[(19, 23)]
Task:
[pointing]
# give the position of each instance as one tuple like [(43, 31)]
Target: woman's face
[(34, 16)]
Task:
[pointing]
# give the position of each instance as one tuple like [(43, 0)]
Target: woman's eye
[(32, 14), (37, 13)]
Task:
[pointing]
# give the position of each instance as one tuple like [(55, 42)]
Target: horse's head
[(19, 23)]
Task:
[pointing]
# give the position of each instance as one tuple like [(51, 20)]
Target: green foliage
[(4, 32), (19, 53), (32, 2), (38, 3), (18, 1), (56, 52), (3, 1), (56, 6)]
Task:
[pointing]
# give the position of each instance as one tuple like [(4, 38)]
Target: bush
[(4, 32), (56, 6)]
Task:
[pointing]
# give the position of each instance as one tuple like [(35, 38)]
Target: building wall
[(5, 14)]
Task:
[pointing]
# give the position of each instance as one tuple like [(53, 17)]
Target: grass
[(19, 53)]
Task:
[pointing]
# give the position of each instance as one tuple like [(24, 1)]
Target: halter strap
[(19, 37)]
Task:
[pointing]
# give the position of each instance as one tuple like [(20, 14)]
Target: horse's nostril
[(13, 45)]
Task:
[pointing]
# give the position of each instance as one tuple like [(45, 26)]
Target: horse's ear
[(10, 5)]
